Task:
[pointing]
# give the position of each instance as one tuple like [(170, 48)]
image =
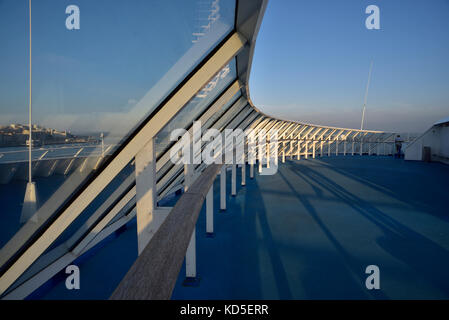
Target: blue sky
[(91, 79), (312, 60)]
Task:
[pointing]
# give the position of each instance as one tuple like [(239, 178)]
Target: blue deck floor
[(308, 232)]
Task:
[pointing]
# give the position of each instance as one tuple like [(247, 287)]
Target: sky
[(310, 64), (312, 60), (125, 58)]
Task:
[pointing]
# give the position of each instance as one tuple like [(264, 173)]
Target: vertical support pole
[(352, 153), (321, 148), (234, 180), (298, 147), (329, 148), (188, 176), (307, 149), (369, 148), (251, 170), (223, 188), (291, 149), (243, 171), (298, 150), (361, 148), (267, 154), (191, 260), (313, 151), (210, 212), (336, 147), (145, 172), (191, 249), (344, 148), (283, 151)]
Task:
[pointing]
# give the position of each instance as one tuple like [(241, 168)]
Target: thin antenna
[(30, 114), (366, 95), (30, 202)]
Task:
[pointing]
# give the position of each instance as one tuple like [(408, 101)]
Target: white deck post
[(145, 172), (313, 151), (283, 151), (267, 153), (321, 148), (234, 180), (251, 169), (291, 149), (307, 150), (344, 148), (191, 256), (243, 170), (336, 147), (223, 188), (210, 211), (329, 148), (298, 151), (191, 249)]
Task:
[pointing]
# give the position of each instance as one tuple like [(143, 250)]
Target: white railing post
[(344, 148), (321, 148), (267, 153), (291, 149), (223, 187), (243, 170), (145, 171), (191, 258), (191, 249), (251, 169), (234, 180), (313, 151), (210, 212), (307, 149), (283, 151)]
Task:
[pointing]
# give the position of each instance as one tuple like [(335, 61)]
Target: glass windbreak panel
[(220, 113), (237, 120), (92, 83), (221, 123), (168, 165), (193, 109)]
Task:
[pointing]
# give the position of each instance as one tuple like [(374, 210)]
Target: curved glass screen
[(98, 70)]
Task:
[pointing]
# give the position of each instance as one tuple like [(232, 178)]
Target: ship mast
[(366, 95)]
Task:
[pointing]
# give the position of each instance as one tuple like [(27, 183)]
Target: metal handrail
[(153, 275)]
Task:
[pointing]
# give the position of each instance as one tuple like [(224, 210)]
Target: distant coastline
[(15, 135)]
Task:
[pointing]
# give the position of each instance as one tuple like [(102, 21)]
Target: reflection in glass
[(91, 88)]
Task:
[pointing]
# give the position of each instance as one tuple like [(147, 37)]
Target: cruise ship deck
[(135, 165), (307, 232)]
